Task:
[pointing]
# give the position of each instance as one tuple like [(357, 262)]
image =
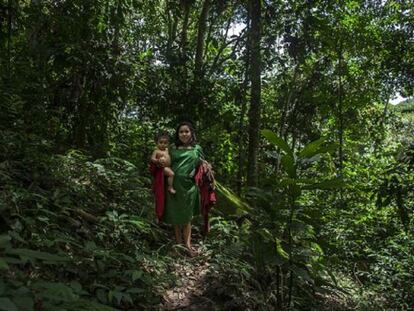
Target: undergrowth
[(78, 235)]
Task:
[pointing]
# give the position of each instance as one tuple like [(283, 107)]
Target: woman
[(185, 203)]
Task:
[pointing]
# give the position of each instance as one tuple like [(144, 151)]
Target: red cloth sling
[(158, 189), (204, 179)]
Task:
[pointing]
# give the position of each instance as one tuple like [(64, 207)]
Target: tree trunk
[(341, 123), (202, 26), (186, 5), (241, 99), (198, 64), (9, 35), (255, 70)]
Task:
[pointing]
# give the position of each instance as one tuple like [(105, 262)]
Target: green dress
[(185, 203)]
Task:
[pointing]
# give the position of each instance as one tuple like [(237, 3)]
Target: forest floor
[(193, 282), (197, 285)]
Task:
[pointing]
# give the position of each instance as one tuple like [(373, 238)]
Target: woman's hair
[(193, 140)]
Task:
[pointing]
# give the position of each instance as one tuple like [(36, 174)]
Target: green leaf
[(312, 148), (3, 264), (242, 207), (136, 275), (118, 296), (85, 305), (7, 305), (4, 240), (56, 291), (12, 260), (317, 248), (328, 148), (289, 165), (302, 273), (102, 296), (280, 250), (326, 185), (24, 303), (295, 191), (288, 181), (29, 253), (277, 141), (265, 234), (315, 158), (333, 278), (135, 290)]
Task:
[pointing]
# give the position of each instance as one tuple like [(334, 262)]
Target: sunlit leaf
[(233, 198), (280, 250)]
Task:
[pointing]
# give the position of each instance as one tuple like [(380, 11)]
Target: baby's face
[(162, 143)]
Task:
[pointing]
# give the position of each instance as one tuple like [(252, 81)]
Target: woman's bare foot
[(171, 190)]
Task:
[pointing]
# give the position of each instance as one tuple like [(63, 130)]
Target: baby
[(161, 154)]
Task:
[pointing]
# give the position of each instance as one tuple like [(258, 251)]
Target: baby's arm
[(154, 158)]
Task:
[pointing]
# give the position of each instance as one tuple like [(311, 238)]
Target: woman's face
[(184, 134)]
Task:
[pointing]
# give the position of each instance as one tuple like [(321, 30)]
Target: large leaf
[(312, 148), (277, 141), (328, 148), (242, 207), (289, 165)]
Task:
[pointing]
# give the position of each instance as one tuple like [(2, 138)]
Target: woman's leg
[(178, 236), (187, 235)]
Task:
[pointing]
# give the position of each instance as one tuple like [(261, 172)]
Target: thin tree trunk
[(240, 100), (341, 122), (290, 242), (198, 64), (202, 26), (186, 5), (278, 297), (172, 27), (9, 35), (242, 92), (255, 70), (183, 44)]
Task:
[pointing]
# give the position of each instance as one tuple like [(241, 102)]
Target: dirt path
[(191, 284)]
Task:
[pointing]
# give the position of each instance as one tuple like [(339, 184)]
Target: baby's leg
[(170, 174)]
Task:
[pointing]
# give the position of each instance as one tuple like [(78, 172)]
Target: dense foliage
[(291, 102)]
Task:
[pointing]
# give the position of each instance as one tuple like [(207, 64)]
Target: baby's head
[(162, 140)]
